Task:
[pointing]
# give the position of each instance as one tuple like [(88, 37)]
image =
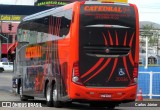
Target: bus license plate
[(106, 95)]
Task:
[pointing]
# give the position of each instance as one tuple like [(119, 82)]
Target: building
[(8, 39), (10, 17)]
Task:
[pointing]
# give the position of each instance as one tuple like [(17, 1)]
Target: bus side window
[(65, 23)]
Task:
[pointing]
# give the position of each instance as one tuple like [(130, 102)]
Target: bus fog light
[(119, 93), (92, 93)]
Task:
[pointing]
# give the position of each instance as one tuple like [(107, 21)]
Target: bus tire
[(49, 96), (111, 107), (94, 104), (56, 102), (18, 87), (22, 97)]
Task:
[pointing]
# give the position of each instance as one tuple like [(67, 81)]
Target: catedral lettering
[(103, 8)]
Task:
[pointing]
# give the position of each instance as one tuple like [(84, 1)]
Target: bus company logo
[(107, 50), (116, 9), (121, 72)]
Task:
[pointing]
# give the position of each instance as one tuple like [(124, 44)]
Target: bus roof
[(40, 14), (57, 9), (45, 13)]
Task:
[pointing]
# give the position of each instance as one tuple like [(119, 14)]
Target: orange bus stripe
[(124, 58), (137, 35), (110, 37), (114, 66), (105, 40), (93, 67), (53, 24), (56, 27), (125, 39), (107, 62), (130, 55), (131, 59), (59, 26), (116, 38), (49, 25), (125, 65), (98, 63), (130, 44)]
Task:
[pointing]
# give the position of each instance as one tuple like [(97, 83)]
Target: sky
[(149, 10), (7, 2)]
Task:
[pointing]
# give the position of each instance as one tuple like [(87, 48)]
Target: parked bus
[(80, 52)]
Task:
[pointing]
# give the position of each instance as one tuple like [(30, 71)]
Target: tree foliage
[(148, 32)]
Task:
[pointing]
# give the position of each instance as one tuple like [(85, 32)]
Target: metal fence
[(149, 82)]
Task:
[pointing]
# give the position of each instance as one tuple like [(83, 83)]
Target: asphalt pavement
[(7, 95)]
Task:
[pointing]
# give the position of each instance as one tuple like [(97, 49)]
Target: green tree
[(148, 32)]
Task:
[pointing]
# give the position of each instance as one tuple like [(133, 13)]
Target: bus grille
[(109, 51)]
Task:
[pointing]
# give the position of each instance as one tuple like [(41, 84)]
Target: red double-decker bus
[(83, 52)]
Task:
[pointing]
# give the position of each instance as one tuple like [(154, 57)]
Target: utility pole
[(146, 65), (146, 34)]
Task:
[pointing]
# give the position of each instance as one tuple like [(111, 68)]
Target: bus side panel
[(66, 46), (74, 42), (36, 70), (63, 53), (137, 33)]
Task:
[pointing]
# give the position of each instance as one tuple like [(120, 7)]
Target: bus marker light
[(120, 93)]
